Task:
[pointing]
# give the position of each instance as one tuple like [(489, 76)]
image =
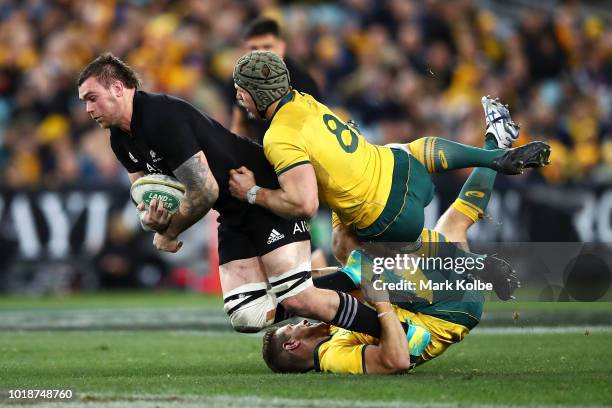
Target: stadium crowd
[(402, 69)]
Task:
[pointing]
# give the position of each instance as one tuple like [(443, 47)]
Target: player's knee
[(302, 303), (338, 249), (454, 225), (295, 304), (290, 289), (250, 307), (343, 243)]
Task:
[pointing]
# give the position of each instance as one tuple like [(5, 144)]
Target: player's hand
[(165, 243), (241, 180), (371, 293), (156, 217)]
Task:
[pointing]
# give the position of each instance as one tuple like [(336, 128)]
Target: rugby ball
[(164, 188)]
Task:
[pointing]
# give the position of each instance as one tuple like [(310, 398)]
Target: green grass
[(146, 299), (119, 299), (511, 369), (535, 369)]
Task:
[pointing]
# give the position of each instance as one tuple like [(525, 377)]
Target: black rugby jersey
[(166, 131)]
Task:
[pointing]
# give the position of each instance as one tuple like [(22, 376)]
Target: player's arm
[(135, 176), (201, 193), (298, 195), (392, 354)]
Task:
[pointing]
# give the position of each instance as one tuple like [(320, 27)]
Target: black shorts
[(261, 232)]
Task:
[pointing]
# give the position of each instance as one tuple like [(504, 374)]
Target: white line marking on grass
[(228, 401), (540, 330)]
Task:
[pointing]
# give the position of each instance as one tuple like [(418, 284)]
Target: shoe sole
[(503, 278), (532, 155)]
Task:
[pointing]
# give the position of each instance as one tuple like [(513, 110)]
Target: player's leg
[(344, 279), (247, 301), (438, 155), (288, 271), (284, 250), (473, 199)]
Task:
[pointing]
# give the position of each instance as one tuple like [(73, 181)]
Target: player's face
[(246, 101), (101, 103), (266, 42), (304, 330)]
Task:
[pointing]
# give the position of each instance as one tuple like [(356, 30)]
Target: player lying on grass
[(413, 332), (380, 192), (264, 259)]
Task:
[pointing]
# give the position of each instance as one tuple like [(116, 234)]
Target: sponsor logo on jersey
[(301, 226), (152, 169), (154, 156), (274, 236)]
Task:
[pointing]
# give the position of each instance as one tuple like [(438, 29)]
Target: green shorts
[(466, 312), (403, 216)]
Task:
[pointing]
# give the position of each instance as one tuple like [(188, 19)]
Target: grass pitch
[(493, 367)]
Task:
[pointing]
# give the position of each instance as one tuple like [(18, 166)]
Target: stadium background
[(401, 69)]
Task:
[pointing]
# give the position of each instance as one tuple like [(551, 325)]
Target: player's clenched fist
[(240, 182)]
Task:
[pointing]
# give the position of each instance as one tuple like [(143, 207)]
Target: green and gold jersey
[(353, 176), (344, 351)]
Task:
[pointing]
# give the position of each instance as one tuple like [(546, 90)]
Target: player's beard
[(250, 114)]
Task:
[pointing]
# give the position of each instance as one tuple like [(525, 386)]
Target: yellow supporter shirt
[(353, 176), (344, 352)]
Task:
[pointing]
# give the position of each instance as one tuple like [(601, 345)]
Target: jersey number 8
[(336, 127)]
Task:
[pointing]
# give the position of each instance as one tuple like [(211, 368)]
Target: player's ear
[(117, 88), (291, 344)]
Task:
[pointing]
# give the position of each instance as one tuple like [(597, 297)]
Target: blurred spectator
[(401, 68), (123, 263), (263, 34)]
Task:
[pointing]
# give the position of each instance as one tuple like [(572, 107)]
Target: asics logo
[(442, 159), (473, 193)]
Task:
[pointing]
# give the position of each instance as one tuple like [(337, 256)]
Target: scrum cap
[(264, 75)]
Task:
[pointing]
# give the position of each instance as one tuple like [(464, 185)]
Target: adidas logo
[(275, 236)]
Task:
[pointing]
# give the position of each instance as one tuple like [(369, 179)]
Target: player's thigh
[(292, 256), (288, 271), (344, 241), (239, 263), (239, 272)]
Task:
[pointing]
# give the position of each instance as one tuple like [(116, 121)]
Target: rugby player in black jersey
[(157, 133)]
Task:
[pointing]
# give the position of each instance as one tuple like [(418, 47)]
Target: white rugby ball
[(166, 189)]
